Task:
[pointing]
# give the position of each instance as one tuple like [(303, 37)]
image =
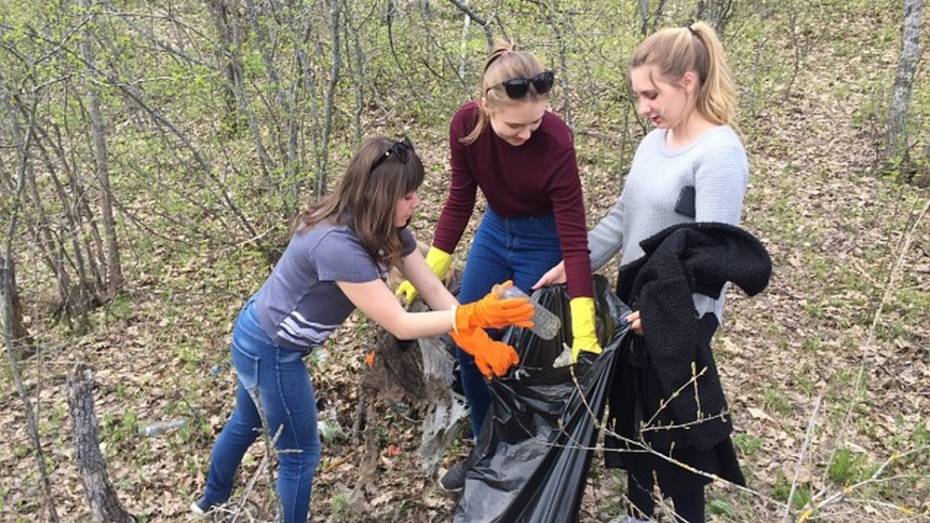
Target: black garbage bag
[(535, 446)]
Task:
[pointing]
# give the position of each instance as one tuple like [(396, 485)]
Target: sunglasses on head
[(399, 150), (517, 88)]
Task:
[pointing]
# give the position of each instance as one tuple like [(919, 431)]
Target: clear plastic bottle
[(161, 427), (545, 324)]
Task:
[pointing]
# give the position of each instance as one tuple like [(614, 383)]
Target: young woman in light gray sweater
[(691, 168)]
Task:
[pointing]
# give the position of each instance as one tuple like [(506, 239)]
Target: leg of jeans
[(485, 267), (238, 434), (289, 405), (690, 506), (639, 488)]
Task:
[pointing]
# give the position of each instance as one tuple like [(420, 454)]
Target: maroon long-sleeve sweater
[(535, 178)]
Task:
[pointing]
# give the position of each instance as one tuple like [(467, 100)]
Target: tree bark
[(469, 12), (32, 425), (714, 12), (224, 15), (99, 145), (904, 80), (104, 504), (10, 300), (322, 153)]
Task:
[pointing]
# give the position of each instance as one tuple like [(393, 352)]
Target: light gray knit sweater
[(715, 164)]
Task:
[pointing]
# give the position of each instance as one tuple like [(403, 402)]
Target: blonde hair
[(677, 50), (504, 63)]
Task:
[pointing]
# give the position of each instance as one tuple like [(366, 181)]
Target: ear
[(483, 104), (689, 81)]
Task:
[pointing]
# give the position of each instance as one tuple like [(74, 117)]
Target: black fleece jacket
[(679, 261)]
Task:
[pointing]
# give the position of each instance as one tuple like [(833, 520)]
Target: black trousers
[(688, 502), (685, 488)]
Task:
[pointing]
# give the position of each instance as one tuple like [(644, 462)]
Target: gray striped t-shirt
[(300, 305), (714, 164)]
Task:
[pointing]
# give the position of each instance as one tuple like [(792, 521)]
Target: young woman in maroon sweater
[(522, 156)]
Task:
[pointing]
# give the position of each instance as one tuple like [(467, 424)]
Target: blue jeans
[(520, 249), (279, 379)]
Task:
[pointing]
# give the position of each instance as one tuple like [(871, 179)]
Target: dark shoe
[(201, 508), (454, 479)]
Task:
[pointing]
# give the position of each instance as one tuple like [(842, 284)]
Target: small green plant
[(748, 445), (846, 467), (338, 505), (720, 507), (776, 400), (811, 344), (782, 489)]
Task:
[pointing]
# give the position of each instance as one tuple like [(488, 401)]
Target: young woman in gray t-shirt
[(337, 261)]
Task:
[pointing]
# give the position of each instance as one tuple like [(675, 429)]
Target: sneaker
[(200, 508), (454, 479)]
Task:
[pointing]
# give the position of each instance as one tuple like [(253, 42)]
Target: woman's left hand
[(636, 323)]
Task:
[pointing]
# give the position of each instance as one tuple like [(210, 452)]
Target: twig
[(478, 20), (811, 423), (645, 448), (7, 296), (893, 276), (266, 459), (874, 478)]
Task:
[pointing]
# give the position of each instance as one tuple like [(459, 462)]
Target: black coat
[(679, 261)]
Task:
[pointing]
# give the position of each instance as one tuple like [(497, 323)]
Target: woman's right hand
[(494, 312), (553, 276)]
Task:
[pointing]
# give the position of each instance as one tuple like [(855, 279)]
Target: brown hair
[(677, 50), (366, 198), (504, 63)]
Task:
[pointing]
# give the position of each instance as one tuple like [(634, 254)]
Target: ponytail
[(696, 47)]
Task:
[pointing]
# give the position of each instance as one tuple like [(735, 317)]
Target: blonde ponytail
[(677, 50)]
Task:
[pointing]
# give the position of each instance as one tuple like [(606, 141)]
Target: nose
[(416, 201), (525, 133), (642, 107)]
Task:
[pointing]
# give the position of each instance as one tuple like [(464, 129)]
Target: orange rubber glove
[(493, 358), (494, 312)]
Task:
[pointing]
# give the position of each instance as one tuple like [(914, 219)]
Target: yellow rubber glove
[(438, 261), (582, 311)]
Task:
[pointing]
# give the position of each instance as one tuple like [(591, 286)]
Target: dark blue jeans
[(279, 379), (520, 249)]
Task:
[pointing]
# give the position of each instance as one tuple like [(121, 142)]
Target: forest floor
[(837, 348)]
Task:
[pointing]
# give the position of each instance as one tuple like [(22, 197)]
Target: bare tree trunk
[(356, 68), (224, 14), (463, 47), (551, 9), (488, 35), (648, 21), (322, 154), (714, 12), (904, 79), (20, 336), (6, 295), (104, 504), (99, 145)]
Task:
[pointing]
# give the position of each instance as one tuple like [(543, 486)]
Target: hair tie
[(497, 54), (692, 31)]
